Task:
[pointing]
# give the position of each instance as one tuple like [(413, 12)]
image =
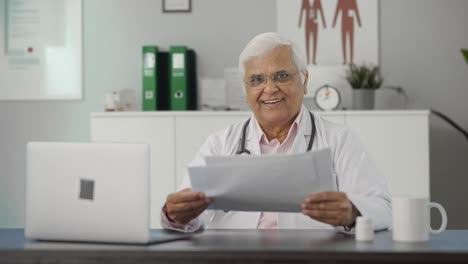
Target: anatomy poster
[(331, 32)]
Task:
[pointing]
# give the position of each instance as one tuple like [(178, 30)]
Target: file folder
[(192, 80), (183, 84), (155, 79), (150, 70), (162, 82)]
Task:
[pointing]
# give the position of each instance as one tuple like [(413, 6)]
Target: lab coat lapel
[(303, 133), (252, 143), (300, 142)]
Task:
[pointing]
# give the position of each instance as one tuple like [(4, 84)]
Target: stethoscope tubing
[(244, 150)]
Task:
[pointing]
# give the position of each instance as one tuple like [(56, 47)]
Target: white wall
[(420, 42)]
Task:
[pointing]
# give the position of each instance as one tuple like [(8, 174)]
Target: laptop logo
[(86, 189)]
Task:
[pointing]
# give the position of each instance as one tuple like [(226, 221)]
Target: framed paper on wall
[(40, 50), (177, 6)]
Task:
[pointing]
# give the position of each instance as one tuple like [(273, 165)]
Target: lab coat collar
[(261, 134), (300, 142)]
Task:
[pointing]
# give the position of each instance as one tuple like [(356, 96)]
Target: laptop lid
[(88, 192)]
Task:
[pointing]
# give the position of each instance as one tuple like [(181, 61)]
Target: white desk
[(397, 140)]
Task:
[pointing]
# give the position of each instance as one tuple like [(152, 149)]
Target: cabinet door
[(335, 117), (158, 132), (191, 133), (399, 144)]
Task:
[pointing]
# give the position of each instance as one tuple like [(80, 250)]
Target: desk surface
[(244, 246)]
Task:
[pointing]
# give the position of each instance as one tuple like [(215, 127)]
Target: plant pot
[(363, 99)]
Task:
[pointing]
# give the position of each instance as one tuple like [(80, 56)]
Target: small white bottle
[(364, 229)]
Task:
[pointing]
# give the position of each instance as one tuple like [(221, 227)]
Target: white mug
[(411, 218)]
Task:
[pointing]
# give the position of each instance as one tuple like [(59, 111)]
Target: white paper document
[(275, 183)]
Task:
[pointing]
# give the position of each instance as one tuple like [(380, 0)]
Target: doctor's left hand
[(332, 208)]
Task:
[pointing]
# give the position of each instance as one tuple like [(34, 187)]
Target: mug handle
[(444, 218)]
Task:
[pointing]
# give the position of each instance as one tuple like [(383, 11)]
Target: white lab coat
[(356, 173)]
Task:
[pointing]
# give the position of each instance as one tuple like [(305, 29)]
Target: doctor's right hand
[(185, 205)]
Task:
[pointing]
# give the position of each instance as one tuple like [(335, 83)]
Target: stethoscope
[(243, 150)]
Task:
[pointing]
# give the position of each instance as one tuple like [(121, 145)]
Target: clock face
[(327, 98)]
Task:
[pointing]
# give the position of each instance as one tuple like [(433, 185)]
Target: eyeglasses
[(279, 78)]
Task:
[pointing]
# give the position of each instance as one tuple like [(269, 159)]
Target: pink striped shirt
[(269, 220)]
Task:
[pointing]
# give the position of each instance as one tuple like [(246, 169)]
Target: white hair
[(266, 42)]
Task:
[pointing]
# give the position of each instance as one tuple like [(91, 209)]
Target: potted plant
[(465, 54), (364, 80)]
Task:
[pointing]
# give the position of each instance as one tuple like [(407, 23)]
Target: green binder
[(150, 77), (179, 94)]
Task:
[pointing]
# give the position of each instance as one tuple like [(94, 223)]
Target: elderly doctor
[(275, 82)]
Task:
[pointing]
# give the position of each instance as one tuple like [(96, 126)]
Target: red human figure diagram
[(311, 25), (346, 8)]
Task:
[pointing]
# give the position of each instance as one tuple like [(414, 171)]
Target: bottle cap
[(362, 220)]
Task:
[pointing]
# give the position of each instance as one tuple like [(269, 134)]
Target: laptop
[(90, 192)]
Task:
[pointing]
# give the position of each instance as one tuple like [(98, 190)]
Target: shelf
[(247, 113)]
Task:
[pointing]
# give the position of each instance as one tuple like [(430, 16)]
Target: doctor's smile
[(274, 77), (274, 102)]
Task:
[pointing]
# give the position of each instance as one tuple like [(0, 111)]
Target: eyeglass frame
[(271, 76)]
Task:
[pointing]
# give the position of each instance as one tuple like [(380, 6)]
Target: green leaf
[(465, 53), (364, 76)]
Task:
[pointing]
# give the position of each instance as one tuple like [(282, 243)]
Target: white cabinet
[(399, 144), (397, 140)]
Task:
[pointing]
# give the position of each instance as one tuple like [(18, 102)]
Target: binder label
[(149, 95), (178, 61), (150, 86), (149, 60)]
